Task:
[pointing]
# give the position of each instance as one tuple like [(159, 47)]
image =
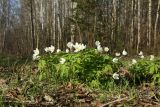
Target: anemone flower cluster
[(106, 49), (141, 55), (115, 60), (151, 57), (124, 53), (58, 50), (67, 50), (36, 54), (115, 76), (70, 45), (79, 47), (50, 49), (62, 60), (134, 61), (99, 47), (117, 54)]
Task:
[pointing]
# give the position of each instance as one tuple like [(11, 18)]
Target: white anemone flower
[(58, 50), (83, 46), (97, 43), (78, 47), (69, 45), (106, 49), (67, 50), (134, 61), (142, 56), (36, 54), (140, 53), (51, 48), (115, 76), (46, 49), (124, 52), (117, 54), (151, 57), (99, 48), (36, 51), (62, 60), (35, 57), (115, 60)]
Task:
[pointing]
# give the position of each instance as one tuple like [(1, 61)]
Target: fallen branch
[(115, 101)]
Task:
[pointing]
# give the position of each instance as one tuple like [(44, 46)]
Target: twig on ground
[(112, 102)]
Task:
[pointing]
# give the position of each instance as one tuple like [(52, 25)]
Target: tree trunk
[(32, 24), (139, 25), (113, 23), (155, 26), (149, 23), (132, 25)]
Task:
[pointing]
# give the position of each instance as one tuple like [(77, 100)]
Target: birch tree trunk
[(155, 25), (113, 23), (54, 20), (149, 23), (132, 24), (139, 25), (32, 24)]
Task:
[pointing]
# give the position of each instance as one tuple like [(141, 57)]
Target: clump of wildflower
[(134, 61), (115, 76), (67, 50), (117, 54), (99, 47), (97, 43), (50, 49), (106, 49), (79, 47), (70, 45), (58, 50), (62, 60), (124, 53), (142, 56), (115, 60), (36, 54), (140, 53), (151, 57)]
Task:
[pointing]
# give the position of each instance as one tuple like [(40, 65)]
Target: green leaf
[(153, 69), (40, 77), (41, 64), (64, 71)]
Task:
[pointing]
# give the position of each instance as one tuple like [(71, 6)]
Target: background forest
[(85, 53), (118, 24)]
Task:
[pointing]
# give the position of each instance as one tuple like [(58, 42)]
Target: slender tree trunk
[(54, 20), (32, 24), (139, 25), (59, 25), (94, 27), (132, 25), (113, 23), (149, 23), (155, 25)]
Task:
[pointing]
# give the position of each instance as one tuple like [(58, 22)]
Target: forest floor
[(19, 86)]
